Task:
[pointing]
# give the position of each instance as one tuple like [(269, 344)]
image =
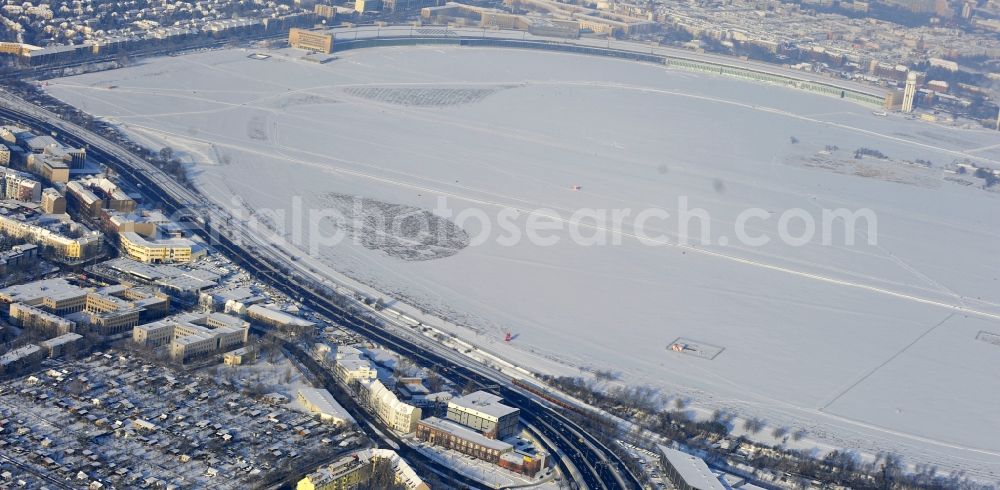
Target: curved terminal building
[(345, 38)]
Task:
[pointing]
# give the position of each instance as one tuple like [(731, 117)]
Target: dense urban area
[(144, 342)]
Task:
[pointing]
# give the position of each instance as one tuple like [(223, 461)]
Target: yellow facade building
[(311, 40), (159, 251)]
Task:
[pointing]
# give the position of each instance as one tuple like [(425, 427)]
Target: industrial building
[(687, 472), (178, 280), (321, 402), (277, 319), (310, 40), (451, 435), (483, 412)]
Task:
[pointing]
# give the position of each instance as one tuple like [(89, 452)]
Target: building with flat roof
[(114, 310), (396, 6), (182, 281), (355, 468), (53, 202), (14, 360), (82, 200), (278, 319), (456, 437), (483, 412), (193, 335), (909, 92), (322, 403), (38, 320), (312, 40), (240, 357), (56, 347), (687, 472), (353, 369), (230, 299), (365, 6), (48, 158), (160, 251), (55, 295), (328, 12)]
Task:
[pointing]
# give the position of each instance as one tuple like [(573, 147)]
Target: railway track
[(580, 455)]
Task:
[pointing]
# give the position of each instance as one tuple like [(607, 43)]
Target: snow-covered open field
[(869, 347)]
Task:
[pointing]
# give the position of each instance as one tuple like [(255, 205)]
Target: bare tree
[(753, 425)]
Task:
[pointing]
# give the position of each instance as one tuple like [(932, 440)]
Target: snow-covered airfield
[(870, 347)]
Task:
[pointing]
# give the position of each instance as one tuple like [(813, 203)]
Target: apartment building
[(92, 195), (69, 240), (398, 415), (53, 202), (353, 369), (346, 472), (19, 186), (19, 256)]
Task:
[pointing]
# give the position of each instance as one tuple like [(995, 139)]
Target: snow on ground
[(869, 347), (485, 472)]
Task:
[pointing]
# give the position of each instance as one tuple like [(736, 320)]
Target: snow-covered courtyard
[(873, 347)]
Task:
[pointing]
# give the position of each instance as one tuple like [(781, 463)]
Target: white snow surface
[(868, 347)]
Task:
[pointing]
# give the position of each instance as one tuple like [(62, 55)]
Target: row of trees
[(646, 408)]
